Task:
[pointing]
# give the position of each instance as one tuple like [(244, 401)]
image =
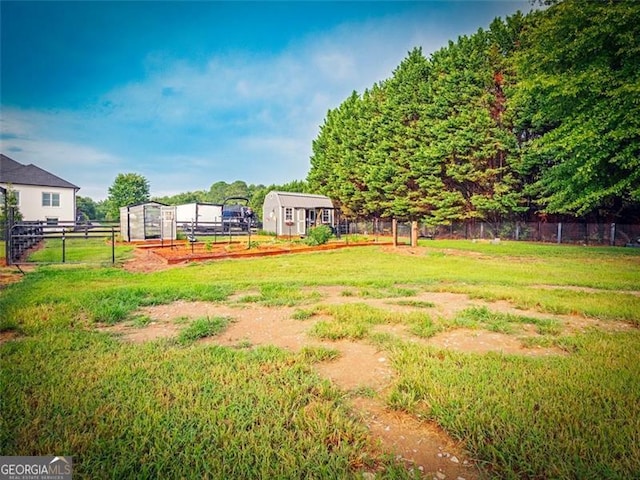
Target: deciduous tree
[(127, 189)]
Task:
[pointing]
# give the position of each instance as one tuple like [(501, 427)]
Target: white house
[(287, 213), (41, 195)]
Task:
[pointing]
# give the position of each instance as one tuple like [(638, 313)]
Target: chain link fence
[(614, 234)]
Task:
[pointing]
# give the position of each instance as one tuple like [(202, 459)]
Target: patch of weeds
[(547, 326), (140, 321), (413, 303), (383, 340), (348, 293), (389, 292), (182, 320), (423, 326), (301, 314), (493, 321), (250, 299), (543, 342), (482, 317), (201, 328), (364, 392), (356, 320), (280, 295), (243, 344), (332, 330), (360, 313), (318, 354)]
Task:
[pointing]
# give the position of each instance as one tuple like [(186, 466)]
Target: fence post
[(394, 231), (517, 231), (64, 253), (414, 234), (9, 235), (559, 232), (113, 246), (612, 238)]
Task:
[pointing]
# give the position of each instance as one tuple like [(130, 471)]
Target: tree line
[(538, 115), (133, 188)]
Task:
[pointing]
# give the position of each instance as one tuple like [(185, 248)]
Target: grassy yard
[(184, 409), (78, 248)]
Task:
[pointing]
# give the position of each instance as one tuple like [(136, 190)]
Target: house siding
[(31, 207)]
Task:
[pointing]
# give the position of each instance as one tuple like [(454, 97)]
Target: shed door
[(151, 221), (302, 218), (168, 225)]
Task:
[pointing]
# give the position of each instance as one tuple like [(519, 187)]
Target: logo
[(36, 468)]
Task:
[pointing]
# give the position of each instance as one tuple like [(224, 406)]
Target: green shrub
[(318, 235)]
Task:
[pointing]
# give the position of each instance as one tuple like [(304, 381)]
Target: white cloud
[(248, 117)]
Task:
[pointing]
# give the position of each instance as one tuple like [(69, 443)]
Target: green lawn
[(78, 248), (184, 409)]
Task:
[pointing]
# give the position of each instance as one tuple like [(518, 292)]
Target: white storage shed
[(288, 213), (147, 221)]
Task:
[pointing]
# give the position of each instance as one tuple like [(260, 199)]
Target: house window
[(325, 216), (50, 199), (52, 220), (288, 214)]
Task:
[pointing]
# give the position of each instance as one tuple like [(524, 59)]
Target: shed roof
[(18, 174), (303, 200), (144, 204)]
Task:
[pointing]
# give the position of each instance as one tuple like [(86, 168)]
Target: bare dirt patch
[(145, 261), (482, 341), (421, 445), (7, 335), (361, 369), (7, 278), (9, 275)]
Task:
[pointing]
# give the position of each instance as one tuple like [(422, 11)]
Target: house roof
[(303, 200), (18, 174)]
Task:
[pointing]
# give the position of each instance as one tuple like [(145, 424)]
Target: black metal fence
[(614, 234), (23, 238)]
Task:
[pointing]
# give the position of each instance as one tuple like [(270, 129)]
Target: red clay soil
[(180, 252)]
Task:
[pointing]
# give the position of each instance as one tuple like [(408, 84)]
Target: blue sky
[(192, 93)]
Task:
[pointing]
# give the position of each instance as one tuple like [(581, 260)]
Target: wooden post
[(414, 233), (394, 231)]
